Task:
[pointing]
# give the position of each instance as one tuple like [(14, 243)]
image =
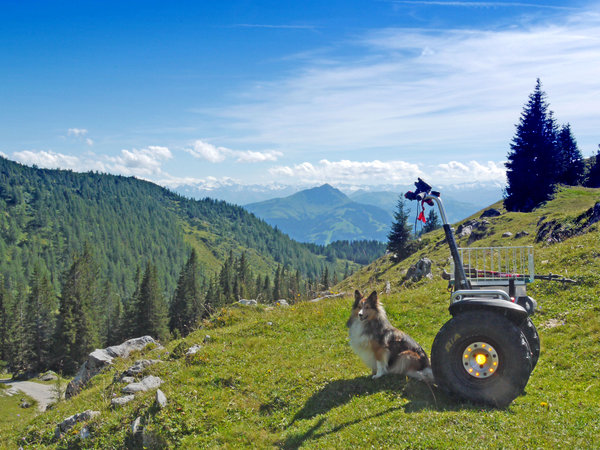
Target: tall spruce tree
[(571, 160), (187, 306), (40, 316), (533, 166), (151, 308), (433, 222), (593, 175), (77, 327), (5, 303), (400, 235)]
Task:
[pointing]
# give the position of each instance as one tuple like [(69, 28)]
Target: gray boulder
[(491, 213), (101, 358), (135, 370), (161, 399), (420, 270), (521, 234), (120, 401), (282, 302), (507, 234), (70, 421), (193, 350), (148, 383), (49, 376), (247, 302)]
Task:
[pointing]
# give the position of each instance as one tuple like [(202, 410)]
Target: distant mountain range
[(325, 214), (322, 215)]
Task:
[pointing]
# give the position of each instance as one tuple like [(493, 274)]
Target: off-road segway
[(486, 352)]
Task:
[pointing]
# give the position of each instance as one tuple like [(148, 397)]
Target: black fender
[(515, 313)]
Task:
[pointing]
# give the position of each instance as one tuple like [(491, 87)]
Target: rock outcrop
[(101, 358), (70, 422), (422, 269)]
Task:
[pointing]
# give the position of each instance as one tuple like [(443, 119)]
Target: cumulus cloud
[(89, 142), (391, 172), (214, 154), (143, 162), (48, 159)]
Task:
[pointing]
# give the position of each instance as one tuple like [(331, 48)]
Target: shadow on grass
[(420, 396)]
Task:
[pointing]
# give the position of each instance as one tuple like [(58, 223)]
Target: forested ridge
[(88, 259)]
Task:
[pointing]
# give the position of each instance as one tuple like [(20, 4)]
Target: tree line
[(40, 329)]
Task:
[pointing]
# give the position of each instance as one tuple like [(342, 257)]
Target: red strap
[(422, 214)]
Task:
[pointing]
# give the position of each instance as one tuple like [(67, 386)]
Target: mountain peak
[(323, 195)]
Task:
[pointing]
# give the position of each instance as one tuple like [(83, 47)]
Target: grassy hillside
[(47, 215), (287, 377)]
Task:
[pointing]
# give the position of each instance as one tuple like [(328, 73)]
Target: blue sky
[(295, 92)]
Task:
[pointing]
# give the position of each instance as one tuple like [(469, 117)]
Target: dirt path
[(42, 393)]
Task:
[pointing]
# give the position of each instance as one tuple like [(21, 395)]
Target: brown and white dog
[(382, 347)]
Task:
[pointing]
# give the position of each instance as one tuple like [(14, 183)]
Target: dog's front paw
[(377, 375)]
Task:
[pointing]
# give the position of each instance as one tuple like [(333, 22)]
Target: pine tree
[(593, 175), (400, 236), (187, 306), (151, 308), (112, 316), (77, 328), (5, 304), (40, 316), (533, 166), (571, 160), (433, 222)]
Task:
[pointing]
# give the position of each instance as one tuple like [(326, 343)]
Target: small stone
[(206, 339), (270, 324), (120, 401), (49, 376), (282, 302), (521, 234), (507, 234), (148, 383), (25, 404), (248, 302), (491, 213), (136, 426), (128, 380), (161, 399), (193, 350)]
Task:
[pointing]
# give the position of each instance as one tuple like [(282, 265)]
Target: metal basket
[(497, 266)]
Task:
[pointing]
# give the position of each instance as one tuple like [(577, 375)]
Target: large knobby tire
[(533, 339), (510, 354)]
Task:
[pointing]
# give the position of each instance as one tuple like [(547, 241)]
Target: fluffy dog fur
[(382, 347)]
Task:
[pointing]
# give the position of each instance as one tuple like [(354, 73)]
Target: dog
[(382, 347)]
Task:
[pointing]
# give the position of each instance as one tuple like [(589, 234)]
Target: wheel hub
[(480, 360)]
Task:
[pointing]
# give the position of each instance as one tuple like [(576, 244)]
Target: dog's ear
[(372, 300), (357, 298)]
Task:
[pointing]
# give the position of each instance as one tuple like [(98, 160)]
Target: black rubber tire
[(514, 367), (533, 339)]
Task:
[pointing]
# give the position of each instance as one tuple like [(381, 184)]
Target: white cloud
[(89, 142), (141, 163), (204, 150), (214, 154), (451, 94), (77, 132), (47, 159), (250, 156), (144, 162), (391, 172)]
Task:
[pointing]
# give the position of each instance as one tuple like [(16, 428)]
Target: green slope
[(286, 377), (47, 215)]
